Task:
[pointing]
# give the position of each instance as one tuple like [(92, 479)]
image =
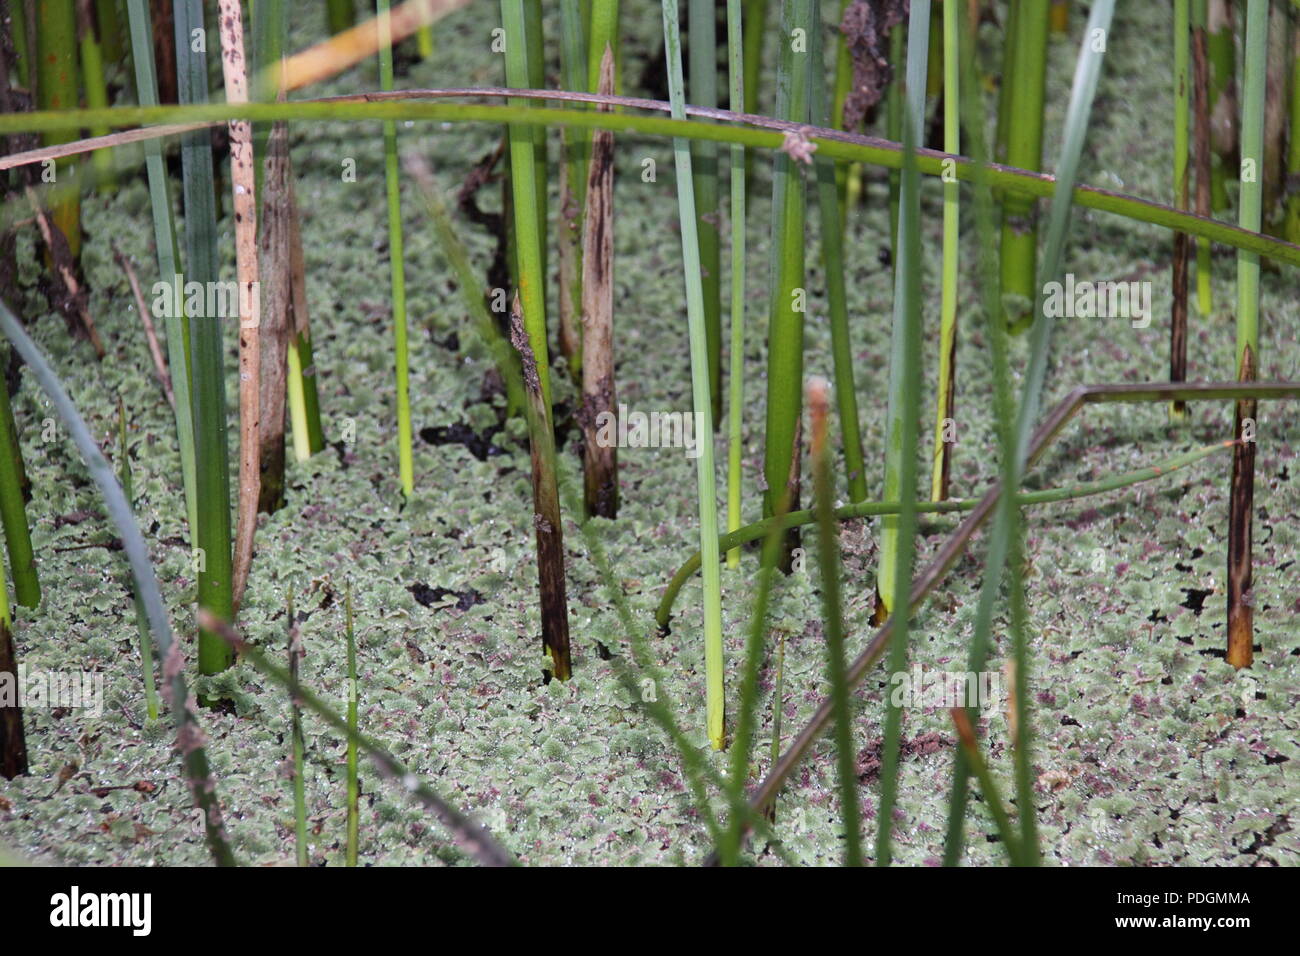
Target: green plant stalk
[(340, 15), (270, 28), (1007, 83), (602, 31), (1222, 47), (210, 532), (945, 406), (528, 229), (354, 788), (536, 53), (828, 554), (299, 746), (396, 266), (471, 287), (23, 66), (867, 509), (755, 14), (13, 739), (1240, 610), (833, 143), (788, 295), (1025, 150), (898, 535), (194, 758), (832, 236), (736, 369), (743, 744), (702, 28), (1182, 242), (894, 129), (701, 397), (96, 87), (1204, 161), (13, 511), (1015, 446), (472, 838), (574, 159), (56, 89), (110, 31), (141, 618), (424, 42), (901, 410)]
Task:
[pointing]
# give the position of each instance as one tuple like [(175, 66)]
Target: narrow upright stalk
[(701, 399), (945, 406), (396, 264), (788, 302), (546, 504), (13, 512), (210, 532), (828, 553), (109, 25), (56, 89), (530, 254), (245, 208), (1291, 223), (1222, 48), (898, 550), (755, 30), (702, 29), (736, 354), (574, 161), (992, 795), (299, 746), (894, 128), (535, 44), (13, 740), (1241, 507), (832, 236), (1060, 16), (304, 401), (901, 419), (1201, 139), (1007, 81), (96, 87), (354, 788), (602, 32), (1182, 89), (340, 15), (599, 459), (1024, 150)]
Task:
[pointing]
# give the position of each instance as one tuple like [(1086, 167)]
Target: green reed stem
[(57, 89), (701, 396), (1182, 116), (299, 746), (340, 15), (96, 88), (736, 369), (1222, 46), (13, 511), (702, 28), (528, 217), (396, 265), (787, 290), (832, 236), (832, 143), (1025, 150), (898, 535), (992, 796), (211, 533), (912, 88), (945, 406), (1291, 227), (574, 159)]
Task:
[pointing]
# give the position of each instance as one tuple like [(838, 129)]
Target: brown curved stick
[(952, 549)]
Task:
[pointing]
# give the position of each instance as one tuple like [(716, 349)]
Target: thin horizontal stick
[(836, 144)]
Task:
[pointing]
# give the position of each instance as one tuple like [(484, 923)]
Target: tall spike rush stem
[(701, 398)]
